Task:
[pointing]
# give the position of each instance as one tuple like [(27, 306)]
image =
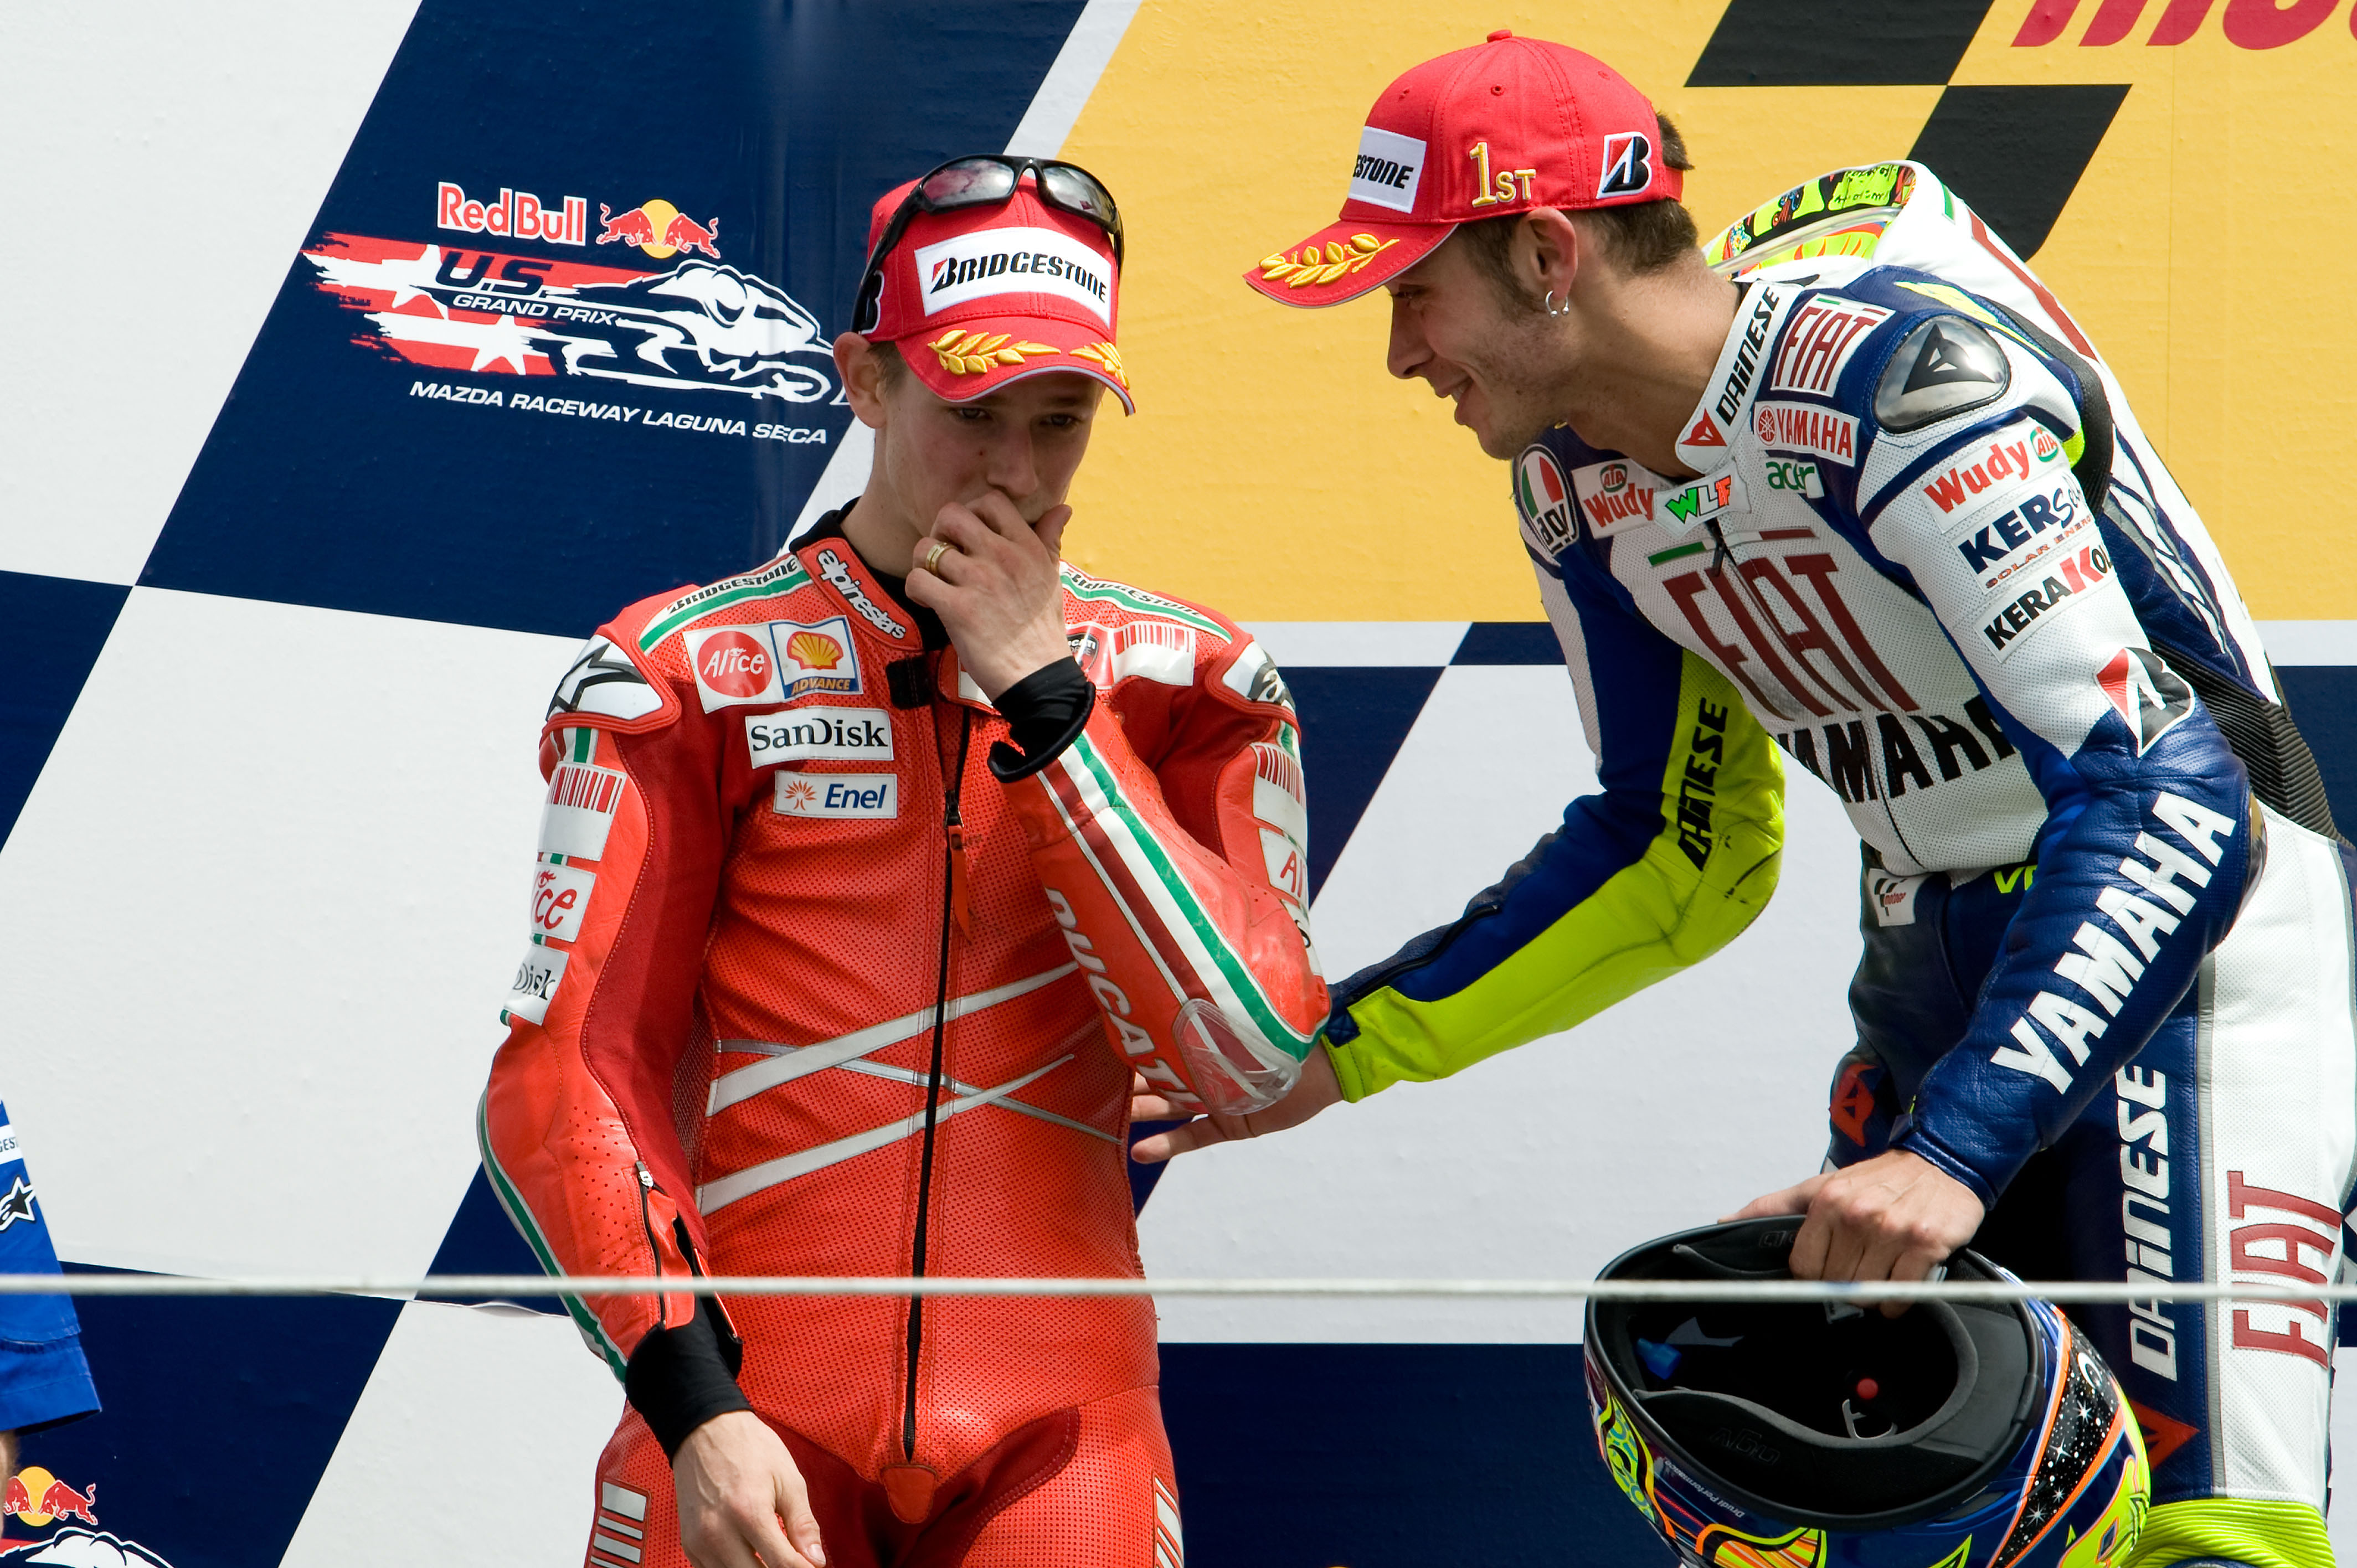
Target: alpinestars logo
[(839, 577), (17, 1204), (1627, 165), (603, 681), (2145, 693)]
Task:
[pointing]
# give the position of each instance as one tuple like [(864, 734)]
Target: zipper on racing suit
[(647, 1223), (954, 909)]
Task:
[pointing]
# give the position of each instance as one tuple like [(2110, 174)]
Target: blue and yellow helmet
[(1797, 1435)]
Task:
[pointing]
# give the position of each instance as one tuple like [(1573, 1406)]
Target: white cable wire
[(505, 1286)]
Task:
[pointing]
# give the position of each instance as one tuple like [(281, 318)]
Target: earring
[(1551, 309)]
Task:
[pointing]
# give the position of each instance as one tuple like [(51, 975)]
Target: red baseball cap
[(1509, 126), (980, 296)]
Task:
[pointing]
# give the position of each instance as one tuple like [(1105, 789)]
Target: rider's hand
[(1894, 1216), (1315, 1090), (995, 588), (735, 1482)]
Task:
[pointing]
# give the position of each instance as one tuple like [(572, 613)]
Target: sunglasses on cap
[(985, 180)]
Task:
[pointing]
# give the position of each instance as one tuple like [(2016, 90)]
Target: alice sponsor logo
[(560, 898), (731, 663)]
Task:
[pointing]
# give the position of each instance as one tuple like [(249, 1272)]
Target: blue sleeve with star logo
[(43, 1378)]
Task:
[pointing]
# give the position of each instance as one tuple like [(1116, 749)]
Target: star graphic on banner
[(504, 344), (18, 1204), (405, 284)]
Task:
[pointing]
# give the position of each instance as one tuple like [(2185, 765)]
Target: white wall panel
[(254, 925), (165, 163), (476, 1441), (1665, 1112)]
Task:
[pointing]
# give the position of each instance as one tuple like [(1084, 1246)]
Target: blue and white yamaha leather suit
[(2106, 986)]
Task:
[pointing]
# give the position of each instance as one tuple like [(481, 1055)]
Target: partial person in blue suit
[(44, 1380)]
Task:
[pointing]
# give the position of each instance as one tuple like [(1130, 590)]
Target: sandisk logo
[(802, 735)]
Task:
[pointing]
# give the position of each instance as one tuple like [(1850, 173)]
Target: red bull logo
[(517, 215), (659, 229), (38, 1498)]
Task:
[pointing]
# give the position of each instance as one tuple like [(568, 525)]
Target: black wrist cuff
[(681, 1378), (1045, 712)]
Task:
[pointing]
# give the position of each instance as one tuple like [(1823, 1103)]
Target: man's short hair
[(890, 369), (1638, 237)]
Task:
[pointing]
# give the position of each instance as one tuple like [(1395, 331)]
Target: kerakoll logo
[(1015, 261)]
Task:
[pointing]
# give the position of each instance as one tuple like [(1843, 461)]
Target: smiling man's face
[(1503, 367)]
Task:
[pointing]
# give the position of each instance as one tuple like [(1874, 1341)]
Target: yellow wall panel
[(1278, 470)]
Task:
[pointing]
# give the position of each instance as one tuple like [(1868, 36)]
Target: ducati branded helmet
[(1762, 1434)]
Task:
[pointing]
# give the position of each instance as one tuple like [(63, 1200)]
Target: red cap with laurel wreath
[(980, 296), (1509, 126)]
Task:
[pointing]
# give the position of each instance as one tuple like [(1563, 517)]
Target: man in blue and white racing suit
[(1850, 480)]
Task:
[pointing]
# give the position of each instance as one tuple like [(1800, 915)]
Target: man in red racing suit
[(867, 882)]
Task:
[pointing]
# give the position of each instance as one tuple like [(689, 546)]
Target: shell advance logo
[(1015, 261)]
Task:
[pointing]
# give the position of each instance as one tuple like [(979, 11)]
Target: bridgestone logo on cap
[(1627, 165), (1388, 168), (1014, 260)]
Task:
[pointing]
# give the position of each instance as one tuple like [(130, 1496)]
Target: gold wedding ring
[(933, 556)]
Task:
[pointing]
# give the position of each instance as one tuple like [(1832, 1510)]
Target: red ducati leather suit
[(786, 904)]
